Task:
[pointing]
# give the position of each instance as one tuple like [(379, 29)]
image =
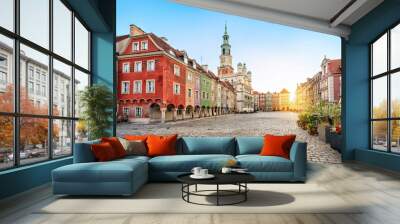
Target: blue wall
[(99, 15), (356, 99)]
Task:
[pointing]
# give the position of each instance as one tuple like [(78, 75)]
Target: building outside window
[(150, 86), (144, 45), (138, 66), (138, 112), (135, 46), (54, 126), (125, 67), (126, 111), (189, 76), (137, 86), (125, 87), (151, 65), (177, 70), (385, 97), (177, 89)]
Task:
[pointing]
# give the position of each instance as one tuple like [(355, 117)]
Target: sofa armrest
[(83, 152), (298, 155)]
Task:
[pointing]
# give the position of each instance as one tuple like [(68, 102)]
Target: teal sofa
[(125, 176)]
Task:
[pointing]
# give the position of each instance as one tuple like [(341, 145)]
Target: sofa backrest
[(249, 145), (83, 152), (206, 145)]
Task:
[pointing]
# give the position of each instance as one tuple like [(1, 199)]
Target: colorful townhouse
[(159, 83), (205, 89), (151, 77)]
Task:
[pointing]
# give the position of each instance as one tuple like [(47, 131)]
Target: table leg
[(217, 194), (195, 188)]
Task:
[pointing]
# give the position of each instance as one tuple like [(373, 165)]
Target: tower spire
[(226, 29)]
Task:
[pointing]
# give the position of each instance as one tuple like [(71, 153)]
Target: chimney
[(205, 67), (135, 30)]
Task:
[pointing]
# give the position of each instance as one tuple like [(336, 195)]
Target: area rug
[(166, 198)]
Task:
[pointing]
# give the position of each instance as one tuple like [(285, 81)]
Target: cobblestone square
[(252, 124)]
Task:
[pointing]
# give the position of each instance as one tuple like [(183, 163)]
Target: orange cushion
[(277, 145), (116, 145), (135, 137), (103, 152), (161, 145)]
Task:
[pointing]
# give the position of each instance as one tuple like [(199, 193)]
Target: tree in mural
[(33, 131)]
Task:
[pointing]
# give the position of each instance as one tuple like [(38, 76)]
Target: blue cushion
[(185, 163), (249, 145), (257, 163), (83, 152), (207, 145)]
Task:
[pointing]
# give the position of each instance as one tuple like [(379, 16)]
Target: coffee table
[(238, 179)]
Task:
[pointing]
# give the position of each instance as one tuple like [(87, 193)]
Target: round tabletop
[(220, 178)]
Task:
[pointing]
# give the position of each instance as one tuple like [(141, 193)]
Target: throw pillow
[(277, 145), (135, 137), (161, 145), (136, 147), (116, 145), (103, 151)]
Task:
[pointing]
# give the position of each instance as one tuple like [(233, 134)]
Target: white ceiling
[(316, 15)]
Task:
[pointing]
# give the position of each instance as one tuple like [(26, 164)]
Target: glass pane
[(395, 94), (81, 45), (62, 89), (379, 98), (7, 14), (379, 135), (33, 139), (62, 138), (62, 29), (35, 21), (379, 55), (81, 131), (395, 138), (6, 142), (6, 74), (81, 81), (395, 47), (34, 78)]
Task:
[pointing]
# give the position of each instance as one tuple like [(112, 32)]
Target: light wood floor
[(378, 189)]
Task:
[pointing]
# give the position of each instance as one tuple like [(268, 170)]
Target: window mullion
[(16, 84), (389, 104)]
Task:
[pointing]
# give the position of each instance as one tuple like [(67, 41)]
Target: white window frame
[(136, 68), (189, 77), (179, 89), (177, 70), (144, 45), (135, 46), (137, 109), (126, 67), (125, 111), (151, 68), (147, 85), (123, 89), (139, 90)]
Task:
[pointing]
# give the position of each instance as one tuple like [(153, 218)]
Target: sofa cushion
[(249, 145), (257, 163), (103, 152), (207, 145), (116, 145), (277, 145), (112, 171), (185, 163), (161, 145)]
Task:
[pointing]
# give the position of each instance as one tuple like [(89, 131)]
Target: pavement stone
[(253, 124)]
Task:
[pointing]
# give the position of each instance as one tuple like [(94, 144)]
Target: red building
[(331, 81), (151, 77)]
